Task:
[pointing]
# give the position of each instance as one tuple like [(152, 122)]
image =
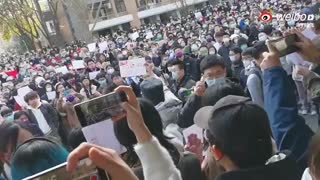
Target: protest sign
[(133, 67), (51, 95), (93, 75), (78, 64), (198, 15), (102, 134), (63, 70), (193, 130), (92, 47), (103, 46), (149, 35), (134, 36), (23, 91), (20, 101)]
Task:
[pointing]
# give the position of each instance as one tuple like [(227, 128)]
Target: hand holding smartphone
[(85, 170), (286, 45)]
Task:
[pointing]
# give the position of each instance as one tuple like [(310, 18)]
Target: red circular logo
[(265, 16)]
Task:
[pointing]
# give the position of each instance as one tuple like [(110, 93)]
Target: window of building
[(44, 5), (120, 6), (105, 11), (51, 28)]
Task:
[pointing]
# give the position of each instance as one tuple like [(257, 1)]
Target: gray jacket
[(169, 109)]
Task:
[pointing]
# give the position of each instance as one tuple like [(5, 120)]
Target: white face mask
[(263, 37), (110, 71), (233, 58), (218, 81), (175, 75), (246, 63), (49, 89)]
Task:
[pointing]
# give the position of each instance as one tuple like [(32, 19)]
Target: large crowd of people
[(213, 70)]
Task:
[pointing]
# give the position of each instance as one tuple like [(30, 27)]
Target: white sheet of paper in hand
[(309, 33), (103, 46), (63, 70), (133, 67), (149, 35), (193, 130), (20, 101), (51, 95), (79, 64), (134, 36), (198, 15), (23, 91), (93, 75), (92, 47), (102, 134)]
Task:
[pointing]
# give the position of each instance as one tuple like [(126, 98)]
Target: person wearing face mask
[(236, 59), (262, 36), (218, 36), (251, 77), (214, 72), (180, 78), (224, 51), (71, 83), (49, 89), (7, 114), (190, 64), (89, 90), (101, 78)]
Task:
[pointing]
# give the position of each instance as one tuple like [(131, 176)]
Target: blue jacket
[(289, 129)]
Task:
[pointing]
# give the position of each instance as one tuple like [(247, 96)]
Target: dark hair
[(75, 138), (5, 111), (214, 93), (68, 76), (178, 63), (89, 60), (31, 96), (249, 51), (219, 34), (152, 89), (236, 49), (242, 41), (152, 120), (17, 115), (260, 47), (211, 61), (36, 155), (8, 133)]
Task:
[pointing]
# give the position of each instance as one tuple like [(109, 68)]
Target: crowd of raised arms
[(218, 100)]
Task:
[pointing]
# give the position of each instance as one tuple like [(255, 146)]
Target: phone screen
[(100, 109), (285, 45), (85, 171), (67, 93)]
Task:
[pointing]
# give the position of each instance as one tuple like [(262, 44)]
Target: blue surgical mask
[(218, 81), (244, 47), (103, 83), (10, 118), (175, 75)]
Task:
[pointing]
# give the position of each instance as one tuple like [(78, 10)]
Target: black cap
[(152, 89), (236, 125)]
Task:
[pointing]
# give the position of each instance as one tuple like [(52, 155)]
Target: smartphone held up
[(286, 45), (101, 108), (86, 170)]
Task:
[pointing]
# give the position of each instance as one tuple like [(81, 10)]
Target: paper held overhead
[(133, 67)]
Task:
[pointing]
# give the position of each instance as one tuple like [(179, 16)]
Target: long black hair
[(152, 120)]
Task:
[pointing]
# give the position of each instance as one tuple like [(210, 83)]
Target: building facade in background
[(87, 19)]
